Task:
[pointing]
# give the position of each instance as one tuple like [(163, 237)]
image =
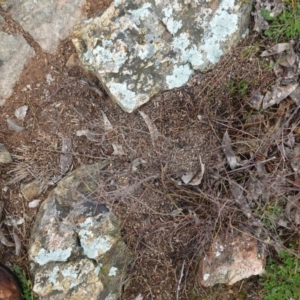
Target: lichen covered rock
[(138, 48), (76, 248)]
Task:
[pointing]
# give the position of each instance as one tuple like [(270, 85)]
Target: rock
[(138, 48), (32, 190), (232, 259), (1, 19), (5, 157), (5, 4), (76, 246), (11, 62), (48, 21)]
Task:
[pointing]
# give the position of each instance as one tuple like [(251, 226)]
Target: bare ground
[(168, 227)]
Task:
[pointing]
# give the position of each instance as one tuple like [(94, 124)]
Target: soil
[(168, 227)]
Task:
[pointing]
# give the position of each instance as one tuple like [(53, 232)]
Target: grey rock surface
[(6, 4), (76, 246), (5, 157), (138, 48), (11, 62), (48, 21)]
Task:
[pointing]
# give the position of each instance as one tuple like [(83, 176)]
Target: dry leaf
[(278, 94), (9, 221), (139, 297), (278, 48), (14, 126), (154, 133), (256, 186), (295, 95), (21, 112), (90, 135), (283, 223), (256, 100), (292, 209), (260, 23), (228, 151), (118, 150), (66, 156), (291, 56), (137, 162), (237, 193), (107, 125), (4, 240), (91, 87), (17, 242)]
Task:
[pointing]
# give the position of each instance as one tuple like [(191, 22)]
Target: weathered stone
[(5, 157), (11, 62), (31, 190), (5, 4), (138, 48), (48, 21), (232, 259), (76, 246)]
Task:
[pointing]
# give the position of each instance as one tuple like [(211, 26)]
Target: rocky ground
[(167, 226)]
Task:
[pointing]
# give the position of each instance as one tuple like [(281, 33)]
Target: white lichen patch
[(206, 276), (125, 95), (112, 271), (172, 25), (140, 13), (93, 249), (221, 26), (93, 244), (53, 274), (70, 272), (110, 56), (43, 257), (180, 76)]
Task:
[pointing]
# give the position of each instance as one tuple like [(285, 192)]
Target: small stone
[(232, 259), (32, 190), (5, 157)]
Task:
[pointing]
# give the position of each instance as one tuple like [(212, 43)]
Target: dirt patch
[(168, 227)]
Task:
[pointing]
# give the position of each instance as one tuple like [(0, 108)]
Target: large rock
[(48, 21), (231, 259), (139, 48), (11, 62), (76, 246)]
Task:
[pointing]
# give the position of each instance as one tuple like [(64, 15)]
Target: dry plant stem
[(179, 281)]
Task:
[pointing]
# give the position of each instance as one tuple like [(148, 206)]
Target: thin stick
[(181, 275)]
